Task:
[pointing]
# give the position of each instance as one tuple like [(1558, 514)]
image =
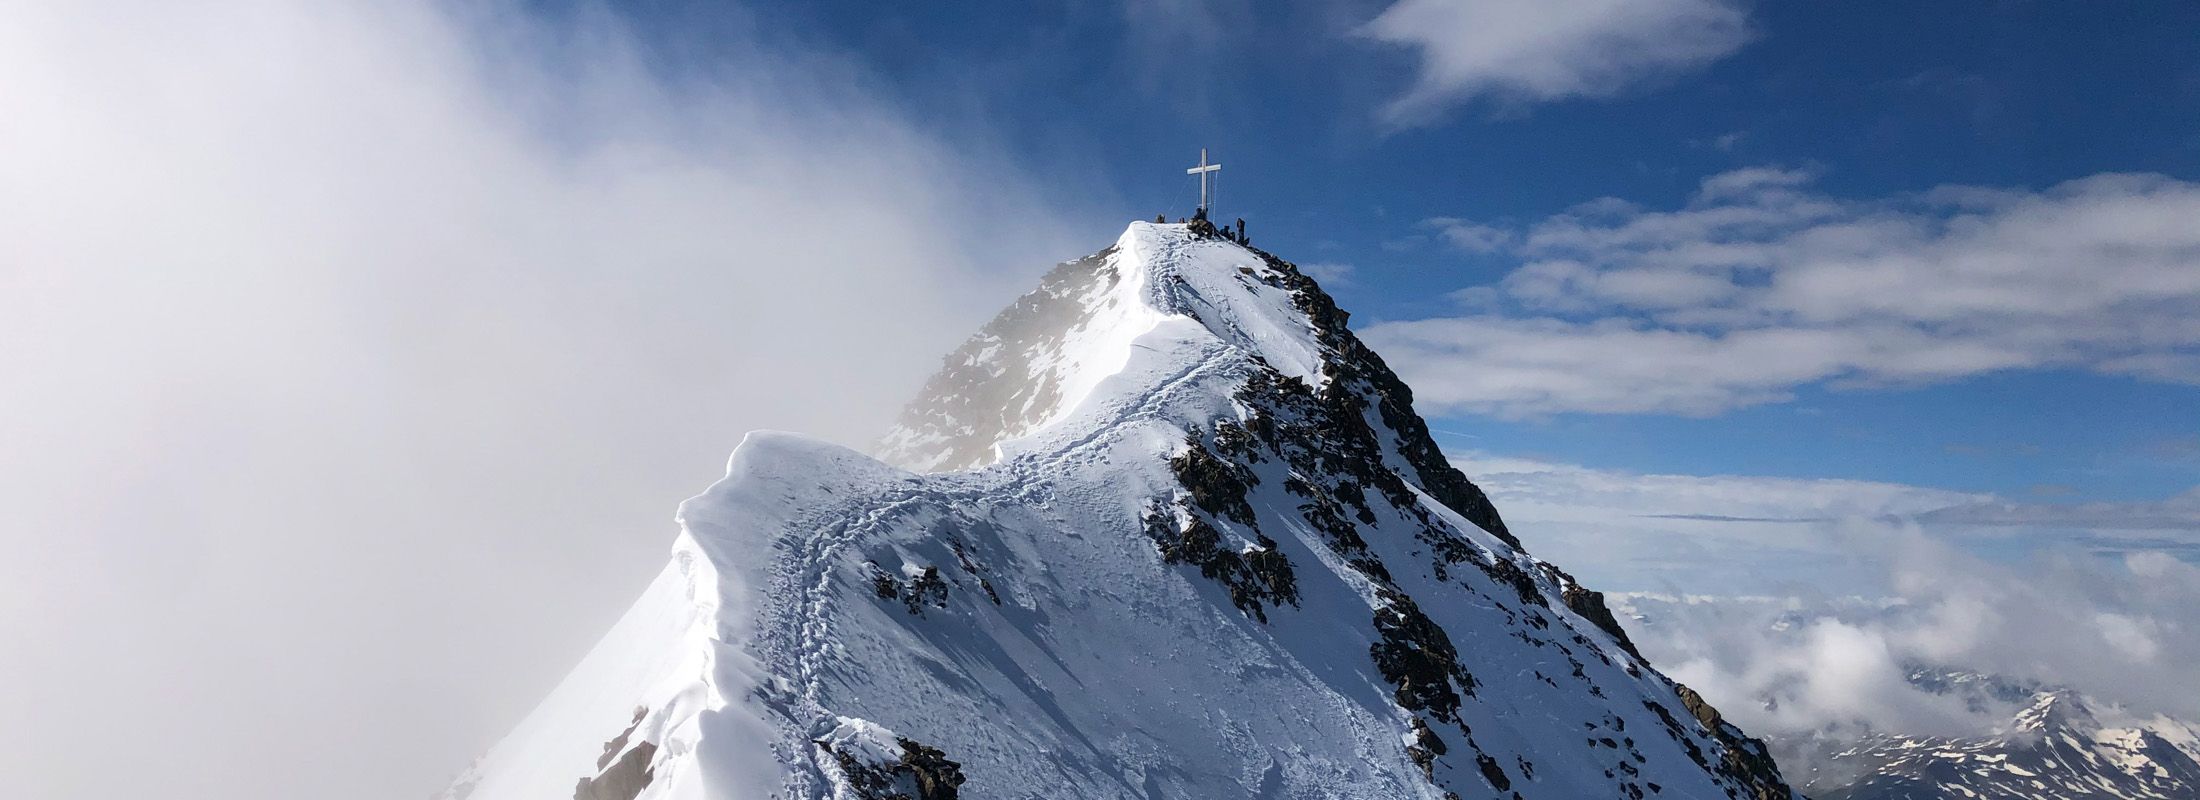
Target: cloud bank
[(1524, 51), (357, 353), (1818, 595), (2118, 630), (1761, 285)]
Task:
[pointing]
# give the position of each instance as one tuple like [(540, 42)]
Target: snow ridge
[(1172, 532)]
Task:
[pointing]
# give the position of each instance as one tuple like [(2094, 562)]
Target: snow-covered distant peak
[(2057, 744)]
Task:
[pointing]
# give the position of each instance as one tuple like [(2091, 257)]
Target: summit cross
[(1205, 204)]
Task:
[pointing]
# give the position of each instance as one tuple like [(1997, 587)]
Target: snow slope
[(1174, 533)]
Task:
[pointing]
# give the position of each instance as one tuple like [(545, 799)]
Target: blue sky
[(1347, 145)]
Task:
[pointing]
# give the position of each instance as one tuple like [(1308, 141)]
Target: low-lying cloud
[(1802, 665), (357, 353), (1762, 285), (1798, 606)]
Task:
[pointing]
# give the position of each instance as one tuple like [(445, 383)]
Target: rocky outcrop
[(623, 770), (1363, 372), (917, 772)]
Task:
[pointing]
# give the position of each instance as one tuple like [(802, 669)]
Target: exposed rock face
[(1360, 373), (1591, 606), (1165, 528), (624, 769), (916, 772)]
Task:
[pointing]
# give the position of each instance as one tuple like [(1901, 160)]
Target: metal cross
[(1201, 171)]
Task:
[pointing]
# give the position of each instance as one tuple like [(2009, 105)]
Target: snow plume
[(357, 352), (1868, 580)]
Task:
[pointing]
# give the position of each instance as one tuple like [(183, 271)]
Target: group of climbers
[(1200, 224)]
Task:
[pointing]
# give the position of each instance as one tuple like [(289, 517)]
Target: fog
[(354, 355)]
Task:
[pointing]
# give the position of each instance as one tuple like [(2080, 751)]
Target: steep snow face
[(1175, 533)]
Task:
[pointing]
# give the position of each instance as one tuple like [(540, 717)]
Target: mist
[(356, 355)]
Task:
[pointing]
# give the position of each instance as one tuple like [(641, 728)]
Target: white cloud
[(2119, 630), (1724, 534), (2179, 513), (1542, 50), (1470, 236), (1818, 594), (1760, 285), (1724, 143), (357, 355)]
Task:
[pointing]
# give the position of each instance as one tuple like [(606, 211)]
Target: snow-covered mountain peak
[(2056, 743), (1047, 354), (1173, 531), (2057, 710)]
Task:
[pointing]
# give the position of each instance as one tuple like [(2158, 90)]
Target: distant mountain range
[(2058, 745), (2035, 741)]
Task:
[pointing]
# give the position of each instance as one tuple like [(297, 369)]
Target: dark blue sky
[(1106, 103)]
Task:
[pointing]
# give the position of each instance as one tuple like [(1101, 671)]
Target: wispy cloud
[(1542, 50), (2179, 513), (1470, 236), (1761, 285), (1609, 518)]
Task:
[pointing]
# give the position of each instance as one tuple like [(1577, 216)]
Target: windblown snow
[(1163, 529)]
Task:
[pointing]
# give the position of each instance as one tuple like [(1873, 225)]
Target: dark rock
[(1590, 605), (1418, 659), (922, 773), (962, 558), (1507, 573), (1254, 577), (1492, 772), (883, 583), (1425, 748), (1743, 760), (1356, 364), (925, 589), (1217, 486), (625, 778)]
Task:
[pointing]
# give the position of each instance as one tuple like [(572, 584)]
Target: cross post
[(1201, 171)]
